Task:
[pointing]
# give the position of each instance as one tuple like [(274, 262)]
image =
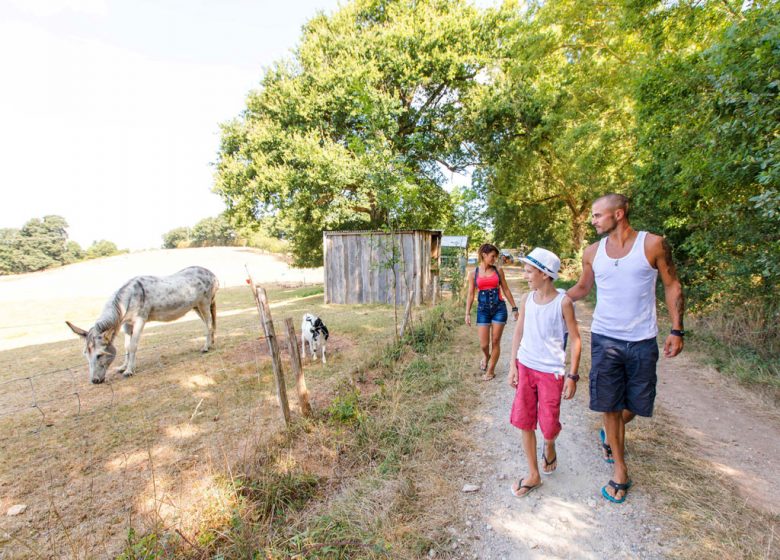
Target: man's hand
[(515, 314), (569, 388), (673, 346)]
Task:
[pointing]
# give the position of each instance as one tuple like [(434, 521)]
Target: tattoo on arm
[(678, 303), (668, 258)]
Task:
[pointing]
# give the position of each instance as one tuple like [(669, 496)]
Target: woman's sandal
[(488, 376), (483, 365)]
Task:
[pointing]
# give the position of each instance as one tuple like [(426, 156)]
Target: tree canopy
[(547, 106), (355, 131)]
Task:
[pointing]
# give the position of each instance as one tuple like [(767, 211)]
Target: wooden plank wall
[(357, 267)]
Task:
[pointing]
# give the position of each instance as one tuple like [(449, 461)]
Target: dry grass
[(367, 477), (704, 512), (157, 450)]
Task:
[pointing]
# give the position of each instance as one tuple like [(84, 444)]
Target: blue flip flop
[(606, 446), (617, 486)]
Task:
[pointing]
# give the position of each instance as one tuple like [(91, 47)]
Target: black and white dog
[(313, 331)]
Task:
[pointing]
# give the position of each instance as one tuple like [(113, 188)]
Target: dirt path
[(566, 517), (734, 429)]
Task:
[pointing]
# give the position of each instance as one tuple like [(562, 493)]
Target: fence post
[(295, 359), (261, 299), (407, 313)]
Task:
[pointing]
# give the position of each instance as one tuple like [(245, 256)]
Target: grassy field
[(90, 461)]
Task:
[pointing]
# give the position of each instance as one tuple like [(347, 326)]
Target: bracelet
[(677, 332), (514, 309)]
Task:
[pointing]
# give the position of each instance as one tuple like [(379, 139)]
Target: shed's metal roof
[(378, 232)]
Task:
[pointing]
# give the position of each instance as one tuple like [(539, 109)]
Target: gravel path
[(566, 517)]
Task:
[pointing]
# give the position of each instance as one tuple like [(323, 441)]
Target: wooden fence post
[(295, 359), (261, 299), (407, 313)]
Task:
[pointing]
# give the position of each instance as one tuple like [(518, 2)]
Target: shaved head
[(614, 201)]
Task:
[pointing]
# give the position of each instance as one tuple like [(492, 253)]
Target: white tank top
[(543, 327), (625, 294)]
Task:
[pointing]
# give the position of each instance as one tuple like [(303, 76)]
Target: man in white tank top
[(624, 265)]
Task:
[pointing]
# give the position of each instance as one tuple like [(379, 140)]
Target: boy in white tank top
[(538, 370)]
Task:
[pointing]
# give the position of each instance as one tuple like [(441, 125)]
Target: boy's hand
[(512, 375), (569, 388)]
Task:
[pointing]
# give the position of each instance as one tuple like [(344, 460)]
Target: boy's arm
[(575, 342), (516, 339), (587, 278)]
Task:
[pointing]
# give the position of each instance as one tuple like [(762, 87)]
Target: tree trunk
[(578, 223)]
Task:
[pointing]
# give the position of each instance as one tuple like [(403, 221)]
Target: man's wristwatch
[(678, 332), (514, 310), (575, 377)]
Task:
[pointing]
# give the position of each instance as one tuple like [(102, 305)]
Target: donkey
[(142, 299)]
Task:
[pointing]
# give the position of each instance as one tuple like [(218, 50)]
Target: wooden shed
[(381, 267)]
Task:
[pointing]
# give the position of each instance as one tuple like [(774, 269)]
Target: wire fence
[(90, 462)]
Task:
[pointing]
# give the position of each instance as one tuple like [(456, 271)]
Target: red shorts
[(538, 396)]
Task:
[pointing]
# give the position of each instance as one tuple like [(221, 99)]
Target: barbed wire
[(149, 360), (89, 448)]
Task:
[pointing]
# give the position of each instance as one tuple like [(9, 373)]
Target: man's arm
[(673, 294), (587, 279)]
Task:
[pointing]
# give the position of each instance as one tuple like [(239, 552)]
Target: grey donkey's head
[(98, 349)]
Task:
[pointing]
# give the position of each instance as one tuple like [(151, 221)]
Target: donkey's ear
[(77, 330), (108, 335)]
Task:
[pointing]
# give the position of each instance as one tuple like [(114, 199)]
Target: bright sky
[(110, 109)]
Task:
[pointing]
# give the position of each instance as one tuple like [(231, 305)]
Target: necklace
[(617, 261)]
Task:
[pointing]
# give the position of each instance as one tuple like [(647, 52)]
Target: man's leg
[(616, 433)]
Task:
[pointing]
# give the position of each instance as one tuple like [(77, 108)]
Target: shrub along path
[(681, 500)]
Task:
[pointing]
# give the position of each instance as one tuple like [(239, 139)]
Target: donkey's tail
[(214, 314)]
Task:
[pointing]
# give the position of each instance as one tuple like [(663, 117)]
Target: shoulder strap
[(476, 271)]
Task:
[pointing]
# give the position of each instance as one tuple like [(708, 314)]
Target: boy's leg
[(524, 416), (550, 388)]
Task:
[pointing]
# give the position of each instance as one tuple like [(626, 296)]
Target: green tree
[(211, 232), (555, 129), (709, 172), (177, 237), (102, 248), (73, 253), (354, 131)]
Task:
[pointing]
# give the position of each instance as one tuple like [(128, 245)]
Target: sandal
[(483, 365), (488, 376), (607, 455), (553, 463), (617, 487), (528, 489)]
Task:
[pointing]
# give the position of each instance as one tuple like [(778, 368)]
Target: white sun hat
[(546, 261)]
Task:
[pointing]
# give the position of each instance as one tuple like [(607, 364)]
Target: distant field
[(35, 306)]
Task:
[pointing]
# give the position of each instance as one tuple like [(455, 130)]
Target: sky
[(110, 110)]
